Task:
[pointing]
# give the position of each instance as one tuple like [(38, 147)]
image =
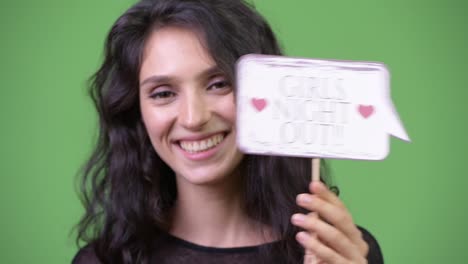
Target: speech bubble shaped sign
[(315, 108)]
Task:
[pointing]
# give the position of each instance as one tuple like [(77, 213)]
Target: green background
[(413, 202)]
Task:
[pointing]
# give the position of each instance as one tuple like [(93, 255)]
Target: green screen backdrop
[(414, 202)]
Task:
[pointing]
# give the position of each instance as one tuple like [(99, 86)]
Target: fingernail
[(304, 198), (303, 236), (298, 218)]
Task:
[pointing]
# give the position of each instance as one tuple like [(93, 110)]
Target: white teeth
[(209, 143), (201, 145)]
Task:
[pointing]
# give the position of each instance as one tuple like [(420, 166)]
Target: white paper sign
[(315, 108)]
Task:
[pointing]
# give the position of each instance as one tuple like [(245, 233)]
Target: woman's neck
[(214, 215)]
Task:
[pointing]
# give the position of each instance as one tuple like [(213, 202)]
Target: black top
[(173, 250)]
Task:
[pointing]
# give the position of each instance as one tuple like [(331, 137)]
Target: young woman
[(166, 182)]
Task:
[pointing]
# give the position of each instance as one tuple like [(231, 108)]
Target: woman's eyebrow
[(156, 79), (213, 70)]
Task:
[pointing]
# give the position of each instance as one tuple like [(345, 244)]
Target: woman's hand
[(332, 236)]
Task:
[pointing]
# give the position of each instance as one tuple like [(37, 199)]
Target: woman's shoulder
[(86, 255), (375, 254)]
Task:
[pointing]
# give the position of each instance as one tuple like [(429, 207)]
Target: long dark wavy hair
[(126, 189)]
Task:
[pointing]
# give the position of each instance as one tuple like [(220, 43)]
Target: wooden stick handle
[(315, 169), (310, 257)]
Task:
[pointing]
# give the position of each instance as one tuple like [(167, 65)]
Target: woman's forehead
[(172, 51)]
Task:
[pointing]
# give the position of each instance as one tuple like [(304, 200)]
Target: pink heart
[(259, 104), (366, 110)]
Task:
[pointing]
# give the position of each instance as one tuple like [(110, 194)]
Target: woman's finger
[(323, 252), (319, 188), (332, 210), (332, 213), (328, 234)]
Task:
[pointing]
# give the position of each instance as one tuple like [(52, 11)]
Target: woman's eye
[(162, 95), (219, 85)]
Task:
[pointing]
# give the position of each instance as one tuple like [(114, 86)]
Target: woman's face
[(188, 108)]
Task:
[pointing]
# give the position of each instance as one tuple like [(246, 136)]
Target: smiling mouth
[(195, 146)]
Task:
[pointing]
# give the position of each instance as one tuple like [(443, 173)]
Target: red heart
[(366, 110), (259, 104)]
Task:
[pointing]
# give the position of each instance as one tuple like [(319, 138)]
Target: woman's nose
[(194, 112)]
